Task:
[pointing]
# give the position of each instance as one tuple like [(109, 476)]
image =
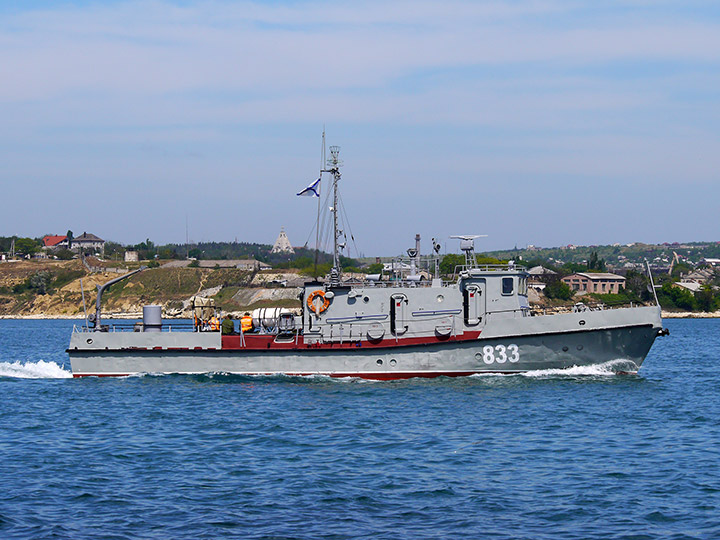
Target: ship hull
[(625, 346)]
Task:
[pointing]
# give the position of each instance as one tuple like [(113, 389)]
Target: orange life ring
[(311, 302)]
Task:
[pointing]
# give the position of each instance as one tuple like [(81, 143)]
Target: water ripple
[(577, 453)]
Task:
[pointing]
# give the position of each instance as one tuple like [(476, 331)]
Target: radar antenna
[(467, 244)]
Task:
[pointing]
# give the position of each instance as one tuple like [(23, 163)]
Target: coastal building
[(692, 286), (702, 276), (131, 256), (536, 284), (601, 283), (539, 275), (52, 242), (541, 271), (88, 242), (251, 264), (282, 244), (241, 264)]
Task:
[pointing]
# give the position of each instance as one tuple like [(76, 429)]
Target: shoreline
[(113, 316), (138, 316), (690, 314)]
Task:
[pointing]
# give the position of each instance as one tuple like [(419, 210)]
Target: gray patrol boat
[(479, 322)]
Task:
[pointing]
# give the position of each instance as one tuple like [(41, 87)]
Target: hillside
[(616, 255), (53, 289)]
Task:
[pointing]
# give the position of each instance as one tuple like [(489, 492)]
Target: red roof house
[(54, 241)]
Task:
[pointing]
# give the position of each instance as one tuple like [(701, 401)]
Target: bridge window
[(507, 285)]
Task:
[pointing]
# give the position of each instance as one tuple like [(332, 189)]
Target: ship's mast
[(317, 222), (333, 167)]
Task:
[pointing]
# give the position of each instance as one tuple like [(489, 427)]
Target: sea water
[(580, 453)]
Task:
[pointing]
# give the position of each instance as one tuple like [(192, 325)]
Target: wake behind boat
[(479, 322)]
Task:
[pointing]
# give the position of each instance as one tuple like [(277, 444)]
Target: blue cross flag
[(313, 190)]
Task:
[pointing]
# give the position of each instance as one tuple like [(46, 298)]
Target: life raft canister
[(317, 308)]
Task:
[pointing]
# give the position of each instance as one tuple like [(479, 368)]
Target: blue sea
[(580, 453)]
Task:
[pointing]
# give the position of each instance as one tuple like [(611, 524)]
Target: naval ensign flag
[(313, 190)]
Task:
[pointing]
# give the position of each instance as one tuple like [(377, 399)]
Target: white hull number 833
[(500, 354)]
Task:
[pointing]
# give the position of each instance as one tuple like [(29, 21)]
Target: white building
[(282, 244), (88, 242)]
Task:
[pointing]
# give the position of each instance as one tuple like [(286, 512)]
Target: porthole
[(440, 298), (393, 362), (478, 356), (379, 362), (579, 347), (89, 341), (366, 299), (565, 349), (582, 323)]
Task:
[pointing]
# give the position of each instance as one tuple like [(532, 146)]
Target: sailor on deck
[(246, 323), (228, 326), (214, 323)]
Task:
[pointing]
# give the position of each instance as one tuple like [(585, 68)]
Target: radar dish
[(469, 236)]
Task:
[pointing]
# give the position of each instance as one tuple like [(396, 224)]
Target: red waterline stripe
[(371, 376), (231, 343)]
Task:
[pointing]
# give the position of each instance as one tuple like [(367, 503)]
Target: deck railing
[(180, 325)]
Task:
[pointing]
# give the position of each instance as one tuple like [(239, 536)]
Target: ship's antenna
[(436, 248), (317, 222), (334, 165)]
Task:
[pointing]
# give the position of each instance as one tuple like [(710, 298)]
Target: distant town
[(42, 276)]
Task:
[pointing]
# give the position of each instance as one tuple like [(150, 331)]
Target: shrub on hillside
[(559, 290), (64, 254)]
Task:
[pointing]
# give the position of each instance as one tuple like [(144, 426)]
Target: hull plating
[(518, 353)]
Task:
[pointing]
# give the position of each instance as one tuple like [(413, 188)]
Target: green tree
[(301, 262), (322, 270), (26, 246), (114, 248), (681, 268), (706, 299), (64, 254), (558, 289), (146, 250), (571, 268), (69, 238), (347, 261), (484, 259), (595, 263), (449, 262), (167, 253), (40, 281), (374, 268), (675, 297), (637, 284)]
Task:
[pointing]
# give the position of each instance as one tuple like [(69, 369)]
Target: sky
[(543, 122)]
